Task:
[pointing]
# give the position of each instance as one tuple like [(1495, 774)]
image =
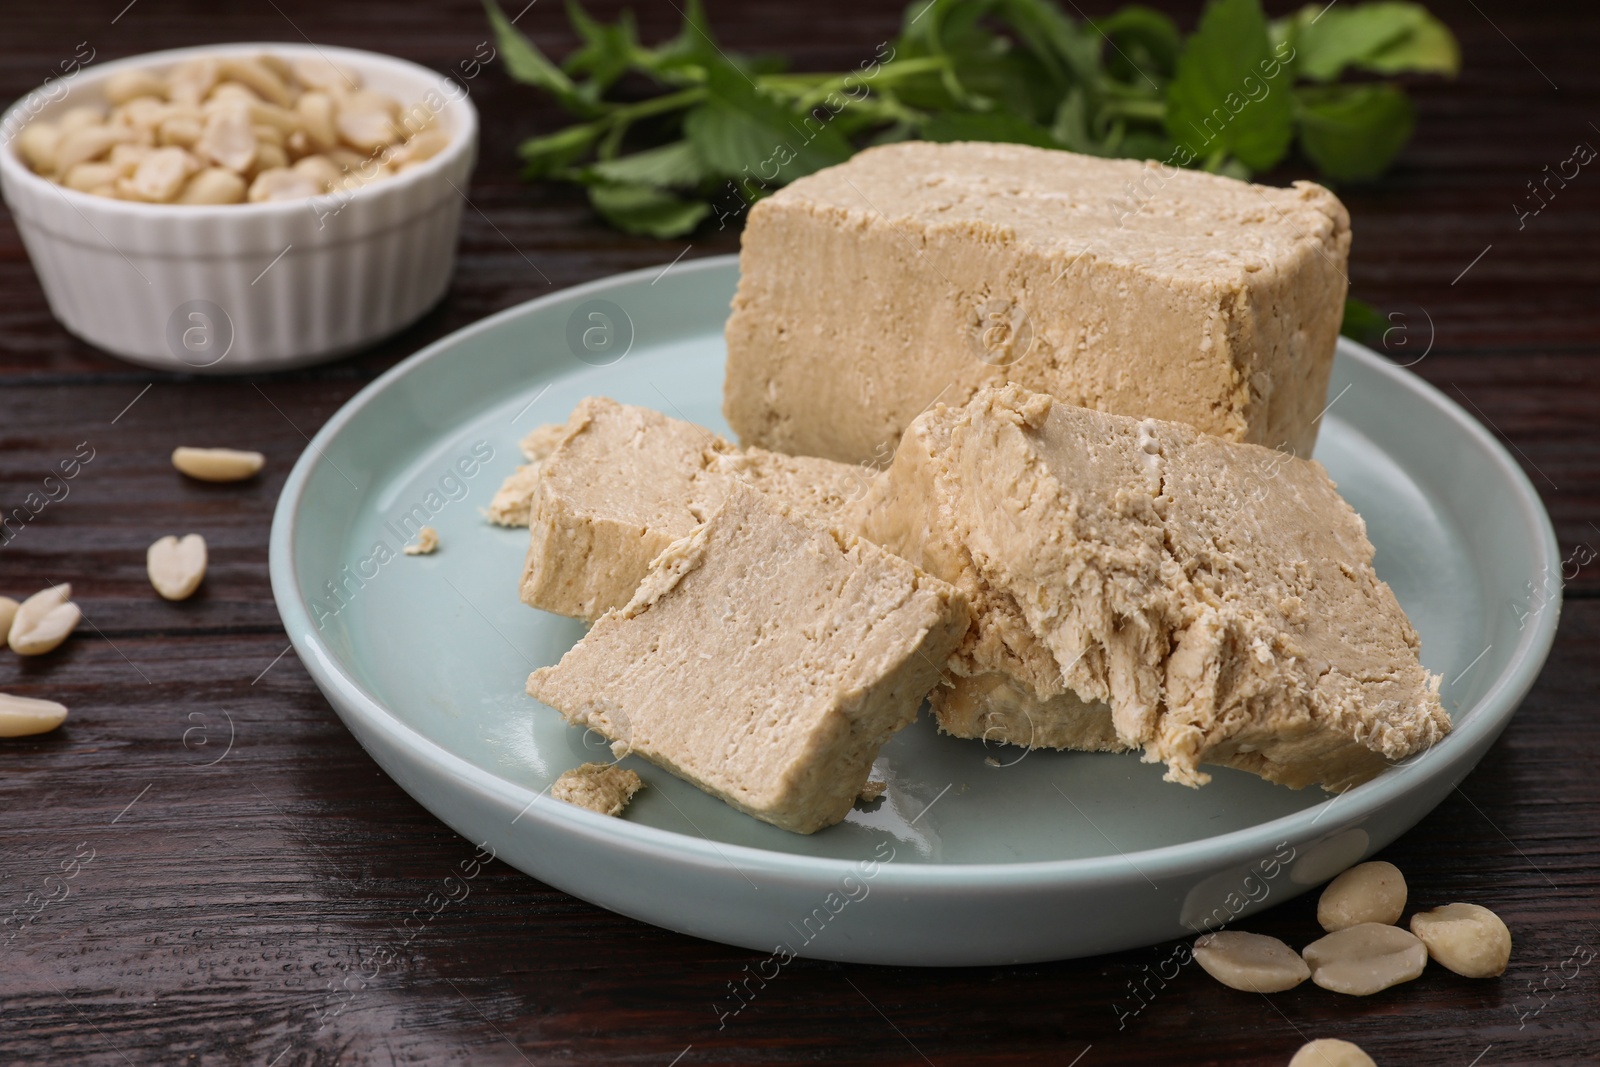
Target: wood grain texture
[(242, 870)]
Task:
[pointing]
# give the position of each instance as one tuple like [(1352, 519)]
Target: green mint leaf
[(676, 166), (977, 70), (895, 133), (986, 126), (1071, 125), (1143, 43), (527, 64), (765, 64), (607, 52), (932, 28), (740, 130), (1231, 168), (693, 46), (1362, 321), (1138, 145), (1005, 78), (1353, 131), (1230, 92), (554, 153), (1071, 53), (1430, 48), (643, 209), (1327, 40)]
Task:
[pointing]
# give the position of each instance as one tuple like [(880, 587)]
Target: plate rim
[(1493, 709)]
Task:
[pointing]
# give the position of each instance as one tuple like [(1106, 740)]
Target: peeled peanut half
[(282, 183), (125, 158), (182, 131), (132, 84), (161, 174), (53, 629), (81, 117), (217, 464), (1331, 1052), (143, 114), (88, 143), (37, 142), (320, 169), (1365, 959), (322, 73), (8, 612), (316, 111), (257, 76), (366, 121), (24, 716), (228, 139), (177, 566), (1469, 939), (30, 611), (1373, 892), (86, 177), (424, 146), (214, 185), (43, 621), (191, 80), (1254, 963)]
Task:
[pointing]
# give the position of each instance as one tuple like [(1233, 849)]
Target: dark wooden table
[(226, 902)]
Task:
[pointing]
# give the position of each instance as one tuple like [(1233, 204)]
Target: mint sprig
[(722, 130)]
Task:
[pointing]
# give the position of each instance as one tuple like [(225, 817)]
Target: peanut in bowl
[(233, 208)]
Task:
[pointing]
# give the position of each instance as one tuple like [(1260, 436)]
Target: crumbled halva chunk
[(604, 788), (513, 501), (542, 440), (765, 659), (426, 544)]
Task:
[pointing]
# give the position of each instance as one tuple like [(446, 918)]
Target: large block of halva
[(763, 658), (919, 271)]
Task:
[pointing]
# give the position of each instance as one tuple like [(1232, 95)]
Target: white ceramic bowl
[(237, 288)]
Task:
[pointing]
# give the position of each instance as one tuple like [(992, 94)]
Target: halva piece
[(918, 271), (1220, 597), (604, 788), (765, 659), (624, 482)]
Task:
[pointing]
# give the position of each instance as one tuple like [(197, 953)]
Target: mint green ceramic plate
[(975, 855)]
